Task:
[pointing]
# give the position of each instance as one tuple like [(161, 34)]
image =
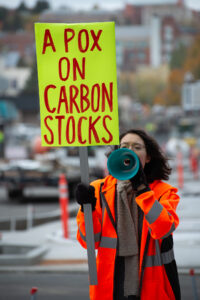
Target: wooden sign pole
[(83, 152)]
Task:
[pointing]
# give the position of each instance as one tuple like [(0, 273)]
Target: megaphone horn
[(123, 164)]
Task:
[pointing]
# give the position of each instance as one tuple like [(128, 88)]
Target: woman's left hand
[(139, 181)]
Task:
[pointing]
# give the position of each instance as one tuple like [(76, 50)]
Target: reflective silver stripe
[(167, 257), (159, 260), (152, 261), (97, 236), (107, 242), (81, 234), (62, 186), (103, 210), (158, 253), (170, 231), (63, 195), (154, 212)]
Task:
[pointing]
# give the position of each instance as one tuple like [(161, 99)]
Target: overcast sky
[(83, 4), (87, 4)]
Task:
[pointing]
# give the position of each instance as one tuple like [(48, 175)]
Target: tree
[(178, 57), (22, 7), (13, 22), (150, 82), (143, 85), (182, 62), (126, 84), (148, 88), (3, 15), (40, 6), (192, 62), (31, 86), (171, 95), (21, 63)]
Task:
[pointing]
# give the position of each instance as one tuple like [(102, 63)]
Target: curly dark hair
[(157, 168)]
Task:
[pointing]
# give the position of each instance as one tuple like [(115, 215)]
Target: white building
[(12, 79), (191, 96)]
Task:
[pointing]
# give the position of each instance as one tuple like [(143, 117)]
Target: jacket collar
[(109, 183), (158, 186)]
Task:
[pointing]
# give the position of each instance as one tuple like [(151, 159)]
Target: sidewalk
[(61, 254), (187, 235)]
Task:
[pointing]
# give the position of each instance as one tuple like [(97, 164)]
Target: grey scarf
[(127, 230)]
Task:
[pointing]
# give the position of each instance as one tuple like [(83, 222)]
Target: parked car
[(45, 169)]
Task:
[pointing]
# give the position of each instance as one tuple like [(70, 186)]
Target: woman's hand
[(139, 181), (85, 195)]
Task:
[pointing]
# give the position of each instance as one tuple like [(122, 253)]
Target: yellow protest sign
[(77, 83)]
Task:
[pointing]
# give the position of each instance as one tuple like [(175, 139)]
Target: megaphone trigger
[(123, 164)]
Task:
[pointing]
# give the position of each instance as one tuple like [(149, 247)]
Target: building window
[(129, 44), (14, 84), (168, 33), (168, 47), (141, 56), (166, 58), (143, 44), (131, 55)]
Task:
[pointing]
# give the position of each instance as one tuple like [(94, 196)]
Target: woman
[(133, 223)]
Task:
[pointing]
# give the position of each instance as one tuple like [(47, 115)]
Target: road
[(17, 208), (16, 214), (63, 286), (50, 286)]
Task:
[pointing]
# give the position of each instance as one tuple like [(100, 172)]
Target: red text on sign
[(86, 40), (65, 68), (75, 129), (79, 99)]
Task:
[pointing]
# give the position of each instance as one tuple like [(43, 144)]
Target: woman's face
[(135, 143)]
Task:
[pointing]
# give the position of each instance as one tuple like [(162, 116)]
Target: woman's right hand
[(85, 195)]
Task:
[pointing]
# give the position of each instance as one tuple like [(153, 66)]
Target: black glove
[(85, 194), (139, 180)]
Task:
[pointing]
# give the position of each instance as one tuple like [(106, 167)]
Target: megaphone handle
[(87, 208)]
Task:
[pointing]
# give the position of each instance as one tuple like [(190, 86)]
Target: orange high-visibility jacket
[(156, 261)]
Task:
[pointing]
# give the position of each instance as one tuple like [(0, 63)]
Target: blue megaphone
[(123, 164)]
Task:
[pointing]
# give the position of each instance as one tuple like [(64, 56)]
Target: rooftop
[(154, 2), (124, 32)]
